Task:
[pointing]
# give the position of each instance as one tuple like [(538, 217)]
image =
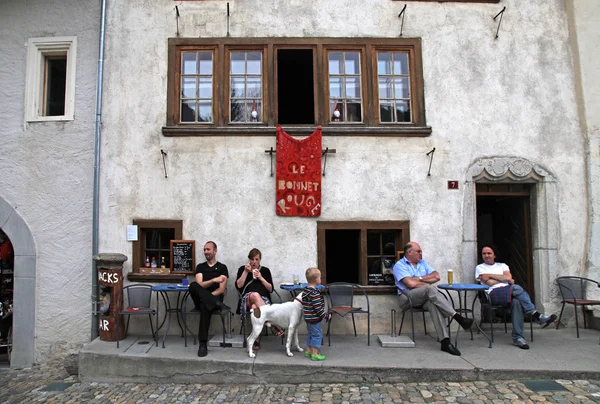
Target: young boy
[(314, 312)]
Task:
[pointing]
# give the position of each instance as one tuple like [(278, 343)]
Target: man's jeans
[(521, 305)]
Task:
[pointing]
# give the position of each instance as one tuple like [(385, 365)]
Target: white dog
[(287, 315)]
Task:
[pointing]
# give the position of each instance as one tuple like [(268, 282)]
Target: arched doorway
[(542, 189), (24, 285)]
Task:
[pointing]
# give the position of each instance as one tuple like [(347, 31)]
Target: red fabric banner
[(298, 180)]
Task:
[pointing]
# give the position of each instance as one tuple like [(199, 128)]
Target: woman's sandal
[(278, 332)]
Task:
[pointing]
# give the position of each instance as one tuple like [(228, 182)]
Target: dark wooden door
[(504, 220)]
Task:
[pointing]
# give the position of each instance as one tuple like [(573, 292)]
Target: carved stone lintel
[(507, 169)]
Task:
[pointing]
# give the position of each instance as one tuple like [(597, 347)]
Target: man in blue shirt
[(415, 278)]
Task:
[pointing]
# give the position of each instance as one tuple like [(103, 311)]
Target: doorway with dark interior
[(504, 220)]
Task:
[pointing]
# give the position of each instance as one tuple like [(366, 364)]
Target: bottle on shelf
[(153, 265), (162, 262), (147, 261)]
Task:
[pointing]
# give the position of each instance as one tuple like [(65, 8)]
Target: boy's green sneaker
[(317, 357), (307, 354)]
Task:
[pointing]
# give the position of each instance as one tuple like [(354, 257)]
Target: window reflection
[(246, 87), (394, 87), (196, 87), (345, 95)]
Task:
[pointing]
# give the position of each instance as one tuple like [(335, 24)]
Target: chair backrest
[(572, 287), (341, 294), (138, 295)]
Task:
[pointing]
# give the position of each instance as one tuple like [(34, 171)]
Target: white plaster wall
[(585, 37), (511, 96), (47, 167)]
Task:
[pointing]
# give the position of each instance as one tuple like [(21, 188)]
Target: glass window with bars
[(345, 95), (197, 87), (393, 76), (246, 86)]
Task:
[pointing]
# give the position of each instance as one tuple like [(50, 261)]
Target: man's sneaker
[(545, 320), (202, 350), (521, 343)]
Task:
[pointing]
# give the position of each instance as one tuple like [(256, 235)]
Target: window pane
[(353, 87), (166, 235), (335, 62), (354, 112), (237, 111), (335, 87), (352, 64), (188, 111), (373, 243), (188, 63), (401, 87), (401, 63), (384, 63), (254, 63), (152, 239), (388, 240), (238, 85), (386, 111), (205, 87), (257, 107), (56, 84), (205, 111), (385, 88), (205, 62), (403, 111), (254, 87), (336, 104), (238, 62), (188, 87)]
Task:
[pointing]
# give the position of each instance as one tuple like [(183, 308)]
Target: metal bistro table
[(164, 291), (296, 288), (462, 289)]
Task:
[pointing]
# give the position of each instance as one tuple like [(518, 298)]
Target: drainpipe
[(96, 208)]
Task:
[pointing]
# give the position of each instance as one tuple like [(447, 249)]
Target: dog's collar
[(295, 298)]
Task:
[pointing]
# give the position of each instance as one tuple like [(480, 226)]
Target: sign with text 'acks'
[(298, 180)]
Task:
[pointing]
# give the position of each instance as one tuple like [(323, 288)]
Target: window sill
[(377, 290), (167, 278), (386, 131)]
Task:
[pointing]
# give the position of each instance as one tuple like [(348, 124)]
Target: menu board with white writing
[(183, 256)]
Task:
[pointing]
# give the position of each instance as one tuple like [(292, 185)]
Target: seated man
[(415, 277), (207, 292), (497, 275)]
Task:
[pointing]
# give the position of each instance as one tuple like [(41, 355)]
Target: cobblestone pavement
[(27, 386)]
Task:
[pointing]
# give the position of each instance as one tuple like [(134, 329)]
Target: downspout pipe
[(96, 204)]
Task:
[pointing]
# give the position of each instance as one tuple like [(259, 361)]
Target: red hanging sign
[(298, 174)]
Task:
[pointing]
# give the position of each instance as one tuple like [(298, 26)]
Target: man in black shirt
[(207, 292)]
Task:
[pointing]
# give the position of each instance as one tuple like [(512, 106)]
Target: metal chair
[(195, 312), (244, 316), (503, 309), (412, 309), (341, 302), (139, 298), (573, 291)]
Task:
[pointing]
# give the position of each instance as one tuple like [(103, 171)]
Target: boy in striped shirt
[(313, 306)]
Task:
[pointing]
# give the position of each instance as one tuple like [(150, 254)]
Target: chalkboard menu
[(183, 256)]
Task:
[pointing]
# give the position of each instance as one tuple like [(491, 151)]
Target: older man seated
[(415, 277)]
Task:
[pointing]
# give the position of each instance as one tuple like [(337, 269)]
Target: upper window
[(50, 88), (246, 86)]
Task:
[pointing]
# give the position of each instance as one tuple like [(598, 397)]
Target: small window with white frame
[(50, 86)]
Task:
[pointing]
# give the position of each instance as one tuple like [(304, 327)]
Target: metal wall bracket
[(402, 14), (430, 154), (501, 13), (177, 18), (324, 152), (164, 153)]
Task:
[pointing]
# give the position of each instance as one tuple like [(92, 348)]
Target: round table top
[(463, 286)]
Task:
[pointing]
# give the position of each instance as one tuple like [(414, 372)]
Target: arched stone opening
[(24, 285), (544, 210)]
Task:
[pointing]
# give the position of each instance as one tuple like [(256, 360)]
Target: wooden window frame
[(368, 47), (138, 252), (402, 226)]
